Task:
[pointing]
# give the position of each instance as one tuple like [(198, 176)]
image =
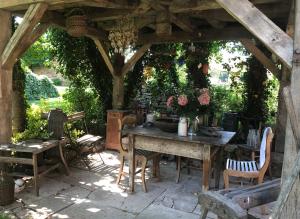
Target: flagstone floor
[(94, 194)]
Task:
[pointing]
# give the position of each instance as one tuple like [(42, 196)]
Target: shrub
[(36, 126), (37, 87), (57, 81), (87, 100)]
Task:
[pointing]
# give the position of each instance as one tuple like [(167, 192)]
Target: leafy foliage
[(36, 127), (57, 81), (87, 100), (39, 54), (37, 87)]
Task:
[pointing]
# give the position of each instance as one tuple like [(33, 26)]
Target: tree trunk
[(18, 100), (5, 82)]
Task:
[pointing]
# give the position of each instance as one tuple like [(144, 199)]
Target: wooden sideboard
[(112, 141)]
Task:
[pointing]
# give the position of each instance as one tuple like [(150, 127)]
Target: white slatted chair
[(251, 169)]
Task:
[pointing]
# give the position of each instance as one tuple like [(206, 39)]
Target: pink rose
[(182, 100), (204, 98), (170, 101)]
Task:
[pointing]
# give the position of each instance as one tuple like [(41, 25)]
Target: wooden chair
[(141, 156), (251, 169), (87, 143)]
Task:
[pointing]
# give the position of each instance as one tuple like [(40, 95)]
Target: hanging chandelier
[(123, 35)]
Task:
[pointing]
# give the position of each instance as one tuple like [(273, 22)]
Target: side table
[(33, 147)]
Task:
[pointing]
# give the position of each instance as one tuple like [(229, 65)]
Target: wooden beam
[(260, 56), (184, 24), (211, 34), (202, 5), (104, 56), (56, 4), (275, 39), (30, 20), (288, 185), (131, 62)]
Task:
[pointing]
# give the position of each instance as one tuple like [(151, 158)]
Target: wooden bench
[(251, 202)]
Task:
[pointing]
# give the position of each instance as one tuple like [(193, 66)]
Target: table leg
[(35, 174), (206, 168), (131, 160), (63, 158), (218, 167)]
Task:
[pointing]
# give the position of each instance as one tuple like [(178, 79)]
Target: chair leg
[(178, 168), (226, 179), (121, 169), (144, 164), (203, 212)]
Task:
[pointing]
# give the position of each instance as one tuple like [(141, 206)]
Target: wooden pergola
[(275, 23)]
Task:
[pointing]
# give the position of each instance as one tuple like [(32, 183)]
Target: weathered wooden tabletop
[(34, 147), (221, 140)]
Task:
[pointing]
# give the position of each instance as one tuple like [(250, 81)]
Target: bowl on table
[(167, 124)]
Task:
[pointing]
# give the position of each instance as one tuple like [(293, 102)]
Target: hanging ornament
[(205, 68), (200, 65), (192, 48)]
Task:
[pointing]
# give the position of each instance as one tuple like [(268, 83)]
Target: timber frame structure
[(275, 23)]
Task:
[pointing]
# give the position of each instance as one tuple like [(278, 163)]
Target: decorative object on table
[(123, 35), (209, 131), (193, 126), (188, 105), (253, 138), (182, 126), (7, 189), (167, 124), (76, 23), (150, 117)]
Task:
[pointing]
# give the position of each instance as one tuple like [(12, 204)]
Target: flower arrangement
[(189, 104)]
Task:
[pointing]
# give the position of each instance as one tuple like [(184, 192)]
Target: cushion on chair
[(244, 166)]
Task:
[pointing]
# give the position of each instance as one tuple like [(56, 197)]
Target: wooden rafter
[(105, 56), (56, 4), (184, 24), (131, 62), (275, 39), (30, 20), (202, 5), (260, 56), (232, 33)]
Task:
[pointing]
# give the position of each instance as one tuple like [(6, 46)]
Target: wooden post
[(5, 81), (118, 91), (291, 207)]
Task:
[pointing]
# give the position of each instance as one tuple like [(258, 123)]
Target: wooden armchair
[(142, 156), (251, 169)]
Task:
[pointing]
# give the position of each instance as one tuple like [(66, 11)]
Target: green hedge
[(37, 87)]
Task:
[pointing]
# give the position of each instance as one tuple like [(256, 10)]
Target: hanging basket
[(77, 25), (7, 189)]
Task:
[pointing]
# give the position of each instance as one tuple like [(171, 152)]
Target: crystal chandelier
[(123, 35)]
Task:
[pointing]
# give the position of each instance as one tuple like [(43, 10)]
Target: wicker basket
[(76, 25), (7, 189)]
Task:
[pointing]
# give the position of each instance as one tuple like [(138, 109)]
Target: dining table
[(200, 147)]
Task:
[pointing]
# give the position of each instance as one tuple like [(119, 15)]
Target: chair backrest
[(79, 116), (265, 149), (127, 121)]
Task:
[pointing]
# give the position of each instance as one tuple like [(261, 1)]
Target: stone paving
[(94, 194)]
